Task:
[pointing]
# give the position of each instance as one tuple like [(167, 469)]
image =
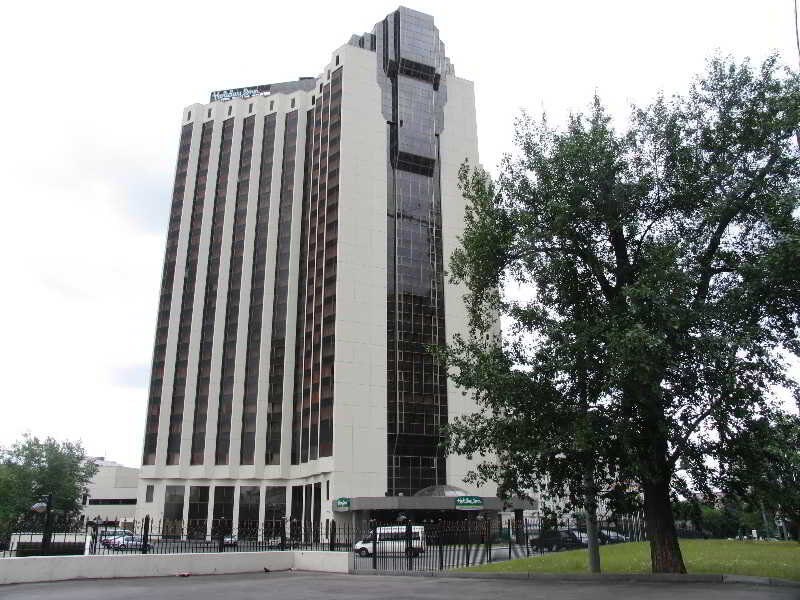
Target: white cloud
[(91, 97)]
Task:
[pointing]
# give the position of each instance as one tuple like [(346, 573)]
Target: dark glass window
[(281, 292), (148, 493), (223, 510), (198, 512), (165, 300), (316, 303), (253, 353), (416, 387), (111, 501), (232, 304), (248, 512), (187, 300), (173, 507), (210, 297), (274, 511)]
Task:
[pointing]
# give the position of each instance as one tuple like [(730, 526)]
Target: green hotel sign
[(469, 502), (342, 504)]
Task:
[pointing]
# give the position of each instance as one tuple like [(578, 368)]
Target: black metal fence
[(395, 546)]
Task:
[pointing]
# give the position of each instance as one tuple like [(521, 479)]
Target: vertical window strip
[(278, 337), (310, 438), (253, 355), (312, 324), (299, 441), (165, 299), (210, 298), (222, 452), (187, 300), (302, 293), (324, 416)]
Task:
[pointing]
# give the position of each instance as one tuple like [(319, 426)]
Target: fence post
[(510, 538), (526, 537), (466, 543), (373, 527), (145, 534), (409, 546), (486, 531), (94, 536), (441, 545), (332, 536), (283, 533)]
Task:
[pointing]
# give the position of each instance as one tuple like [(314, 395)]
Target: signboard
[(469, 503), (342, 504), (245, 92)]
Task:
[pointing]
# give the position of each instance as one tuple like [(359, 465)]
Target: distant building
[(111, 495), (303, 286)]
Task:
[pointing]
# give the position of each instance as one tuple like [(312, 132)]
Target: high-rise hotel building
[(303, 286)]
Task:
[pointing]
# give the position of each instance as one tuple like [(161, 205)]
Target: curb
[(589, 578)]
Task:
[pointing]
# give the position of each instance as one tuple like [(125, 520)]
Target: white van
[(392, 540)]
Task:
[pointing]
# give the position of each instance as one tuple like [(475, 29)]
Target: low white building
[(111, 495)]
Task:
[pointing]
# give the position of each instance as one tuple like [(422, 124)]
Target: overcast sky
[(91, 98)]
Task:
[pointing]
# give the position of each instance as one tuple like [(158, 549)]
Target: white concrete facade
[(357, 466), (111, 495)]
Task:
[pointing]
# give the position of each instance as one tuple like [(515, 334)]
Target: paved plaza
[(303, 585)]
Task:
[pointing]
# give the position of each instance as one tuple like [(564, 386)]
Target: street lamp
[(45, 505)]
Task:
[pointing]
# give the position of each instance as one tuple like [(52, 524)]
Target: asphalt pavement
[(314, 586)]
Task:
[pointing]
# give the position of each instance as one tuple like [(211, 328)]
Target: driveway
[(316, 586)]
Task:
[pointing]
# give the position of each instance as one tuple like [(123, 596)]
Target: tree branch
[(710, 252), (684, 442)]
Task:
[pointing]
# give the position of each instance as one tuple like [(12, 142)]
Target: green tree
[(33, 467), (681, 239), (764, 468)]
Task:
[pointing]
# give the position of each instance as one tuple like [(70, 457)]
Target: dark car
[(553, 540)]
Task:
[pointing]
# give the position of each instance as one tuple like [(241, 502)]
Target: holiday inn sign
[(469, 503)]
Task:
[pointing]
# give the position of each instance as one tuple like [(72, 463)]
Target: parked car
[(613, 537), (107, 536), (128, 542), (392, 540), (230, 540), (583, 537), (554, 540)]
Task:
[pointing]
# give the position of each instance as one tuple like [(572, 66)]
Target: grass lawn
[(763, 559)]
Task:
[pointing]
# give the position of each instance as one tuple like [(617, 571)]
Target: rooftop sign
[(245, 92)]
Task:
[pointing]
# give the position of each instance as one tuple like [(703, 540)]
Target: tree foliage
[(664, 292), (764, 467), (32, 468)]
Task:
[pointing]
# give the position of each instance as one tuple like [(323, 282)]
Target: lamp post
[(45, 505)]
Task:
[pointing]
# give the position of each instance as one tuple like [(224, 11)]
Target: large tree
[(664, 291), (31, 468)]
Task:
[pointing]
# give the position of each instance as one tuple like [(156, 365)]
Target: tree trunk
[(665, 553), (590, 505)]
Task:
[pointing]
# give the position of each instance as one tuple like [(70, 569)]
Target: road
[(313, 586)]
